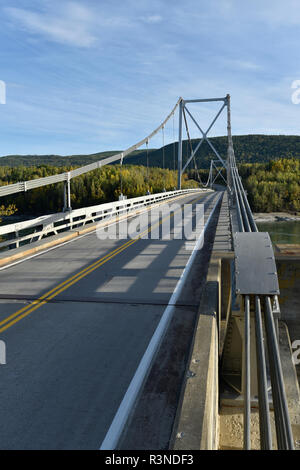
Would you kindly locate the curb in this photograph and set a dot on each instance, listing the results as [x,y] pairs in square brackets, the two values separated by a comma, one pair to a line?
[196,425]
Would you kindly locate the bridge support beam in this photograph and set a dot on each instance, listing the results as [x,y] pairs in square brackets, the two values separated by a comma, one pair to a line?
[179,166]
[67,194]
[230,146]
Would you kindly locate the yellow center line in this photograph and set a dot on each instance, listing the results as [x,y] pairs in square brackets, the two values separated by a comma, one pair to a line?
[63,283]
[39,300]
[108,255]
[23,312]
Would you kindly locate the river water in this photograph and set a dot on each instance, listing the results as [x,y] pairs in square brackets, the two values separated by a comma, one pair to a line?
[281,232]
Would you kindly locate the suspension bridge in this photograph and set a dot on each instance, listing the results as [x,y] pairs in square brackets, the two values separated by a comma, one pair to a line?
[116,344]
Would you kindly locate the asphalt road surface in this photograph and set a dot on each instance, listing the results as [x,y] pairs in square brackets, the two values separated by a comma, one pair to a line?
[76,321]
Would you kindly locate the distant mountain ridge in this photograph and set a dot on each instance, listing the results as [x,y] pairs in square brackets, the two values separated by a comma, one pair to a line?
[253,148]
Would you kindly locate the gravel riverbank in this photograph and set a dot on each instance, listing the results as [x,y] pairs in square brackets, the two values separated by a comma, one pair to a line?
[276,217]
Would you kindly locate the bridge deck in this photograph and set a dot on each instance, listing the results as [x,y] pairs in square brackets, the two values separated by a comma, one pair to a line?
[70,359]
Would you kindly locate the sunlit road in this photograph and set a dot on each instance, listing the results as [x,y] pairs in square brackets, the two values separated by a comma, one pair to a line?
[76,321]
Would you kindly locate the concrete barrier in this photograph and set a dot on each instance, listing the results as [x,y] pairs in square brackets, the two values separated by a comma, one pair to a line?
[196,424]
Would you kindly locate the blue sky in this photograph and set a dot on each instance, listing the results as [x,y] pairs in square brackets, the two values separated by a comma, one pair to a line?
[88,76]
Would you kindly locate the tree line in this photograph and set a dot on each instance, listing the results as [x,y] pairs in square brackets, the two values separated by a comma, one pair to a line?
[271,186]
[99,186]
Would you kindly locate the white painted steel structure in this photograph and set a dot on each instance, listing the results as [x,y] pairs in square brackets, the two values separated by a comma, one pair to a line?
[52,224]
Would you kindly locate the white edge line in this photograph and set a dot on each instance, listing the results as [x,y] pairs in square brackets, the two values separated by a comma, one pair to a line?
[115,430]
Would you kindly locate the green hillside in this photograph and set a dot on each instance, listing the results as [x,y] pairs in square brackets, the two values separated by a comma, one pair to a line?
[248,149]
[56,160]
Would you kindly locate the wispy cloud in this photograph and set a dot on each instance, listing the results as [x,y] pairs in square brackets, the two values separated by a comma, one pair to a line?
[127,63]
[245,65]
[70,25]
[152,19]
[278,13]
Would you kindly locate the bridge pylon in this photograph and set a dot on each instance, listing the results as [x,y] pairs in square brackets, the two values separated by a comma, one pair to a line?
[183,110]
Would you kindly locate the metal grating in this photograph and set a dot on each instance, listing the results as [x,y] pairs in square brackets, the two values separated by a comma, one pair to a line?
[255,267]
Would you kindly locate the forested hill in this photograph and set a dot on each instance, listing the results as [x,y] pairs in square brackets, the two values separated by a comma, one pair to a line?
[57,160]
[248,149]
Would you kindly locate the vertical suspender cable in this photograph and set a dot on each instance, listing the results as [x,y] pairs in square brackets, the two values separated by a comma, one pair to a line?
[163,152]
[147,170]
[121,180]
[191,147]
[174,149]
[121,176]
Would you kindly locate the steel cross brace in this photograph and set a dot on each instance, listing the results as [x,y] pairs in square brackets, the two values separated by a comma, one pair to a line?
[204,134]
[218,172]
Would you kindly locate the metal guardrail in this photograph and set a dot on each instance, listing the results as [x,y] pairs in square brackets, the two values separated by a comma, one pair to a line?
[265,327]
[33,230]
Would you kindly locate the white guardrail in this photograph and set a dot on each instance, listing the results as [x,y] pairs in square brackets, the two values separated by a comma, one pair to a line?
[22,233]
